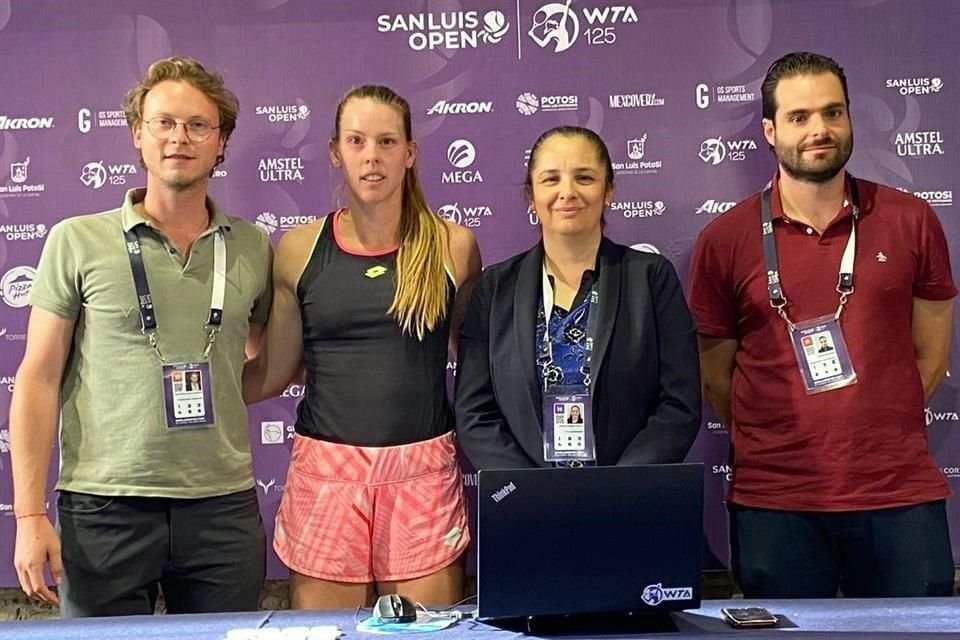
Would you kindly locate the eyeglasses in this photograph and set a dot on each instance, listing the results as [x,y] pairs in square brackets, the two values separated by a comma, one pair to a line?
[162,128]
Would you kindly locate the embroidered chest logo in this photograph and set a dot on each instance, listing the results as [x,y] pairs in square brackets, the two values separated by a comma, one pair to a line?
[881,257]
[375,272]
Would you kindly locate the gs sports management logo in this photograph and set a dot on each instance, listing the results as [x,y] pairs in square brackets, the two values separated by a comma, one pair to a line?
[655,594]
[447,29]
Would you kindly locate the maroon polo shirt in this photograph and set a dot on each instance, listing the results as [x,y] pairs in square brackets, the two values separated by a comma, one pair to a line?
[859,447]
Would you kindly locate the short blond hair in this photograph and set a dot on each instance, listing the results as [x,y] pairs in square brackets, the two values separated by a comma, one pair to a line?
[183,69]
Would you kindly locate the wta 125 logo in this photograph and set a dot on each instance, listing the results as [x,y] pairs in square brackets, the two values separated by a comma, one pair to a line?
[557,26]
[471,216]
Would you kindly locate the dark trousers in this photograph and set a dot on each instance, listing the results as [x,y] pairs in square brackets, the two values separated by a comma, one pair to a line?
[207,555]
[899,552]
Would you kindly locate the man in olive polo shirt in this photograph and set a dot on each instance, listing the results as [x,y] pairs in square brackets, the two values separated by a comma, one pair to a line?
[156,484]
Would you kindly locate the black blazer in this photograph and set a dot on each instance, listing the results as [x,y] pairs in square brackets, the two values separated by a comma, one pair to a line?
[646,394]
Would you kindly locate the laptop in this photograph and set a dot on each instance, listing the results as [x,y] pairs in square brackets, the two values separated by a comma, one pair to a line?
[590,540]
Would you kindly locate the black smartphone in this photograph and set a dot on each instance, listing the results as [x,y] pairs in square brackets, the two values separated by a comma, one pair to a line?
[748,617]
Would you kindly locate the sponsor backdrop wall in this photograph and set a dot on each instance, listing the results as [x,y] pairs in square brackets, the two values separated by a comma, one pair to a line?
[671,85]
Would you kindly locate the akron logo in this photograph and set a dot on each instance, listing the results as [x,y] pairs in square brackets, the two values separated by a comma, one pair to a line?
[461,154]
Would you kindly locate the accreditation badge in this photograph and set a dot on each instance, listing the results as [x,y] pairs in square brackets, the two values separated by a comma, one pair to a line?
[568,425]
[188,395]
[822,355]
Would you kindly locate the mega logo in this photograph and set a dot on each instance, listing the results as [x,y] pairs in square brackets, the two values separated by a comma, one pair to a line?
[461,154]
[919,143]
[447,29]
[9,382]
[557,26]
[713,151]
[8,123]
[95,174]
[4,441]
[915,86]
[713,207]
[445,108]
[472,216]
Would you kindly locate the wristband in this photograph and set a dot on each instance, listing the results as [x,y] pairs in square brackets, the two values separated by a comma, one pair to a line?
[30,515]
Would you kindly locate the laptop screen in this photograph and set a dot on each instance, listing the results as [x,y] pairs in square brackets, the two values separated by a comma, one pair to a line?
[589,540]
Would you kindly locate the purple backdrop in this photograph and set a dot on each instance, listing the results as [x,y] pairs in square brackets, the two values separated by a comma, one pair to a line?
[671,85]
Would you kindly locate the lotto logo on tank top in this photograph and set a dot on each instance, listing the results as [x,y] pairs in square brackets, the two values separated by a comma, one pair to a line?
[375,272]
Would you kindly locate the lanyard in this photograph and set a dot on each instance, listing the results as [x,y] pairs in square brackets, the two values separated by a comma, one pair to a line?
[546,348]
[148,320]
[845,280]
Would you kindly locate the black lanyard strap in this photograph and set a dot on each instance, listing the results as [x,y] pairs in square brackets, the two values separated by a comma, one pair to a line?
[778,299]
[148,319]
[546,348]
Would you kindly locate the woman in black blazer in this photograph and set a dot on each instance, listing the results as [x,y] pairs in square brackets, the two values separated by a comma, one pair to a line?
[643,370]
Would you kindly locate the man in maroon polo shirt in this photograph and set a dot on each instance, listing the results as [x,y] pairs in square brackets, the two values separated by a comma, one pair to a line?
[833,485]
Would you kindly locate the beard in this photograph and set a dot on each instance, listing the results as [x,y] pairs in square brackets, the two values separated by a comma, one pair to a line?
[181,184]
[816,171]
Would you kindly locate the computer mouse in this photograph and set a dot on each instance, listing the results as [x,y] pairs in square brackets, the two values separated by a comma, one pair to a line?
[395,608]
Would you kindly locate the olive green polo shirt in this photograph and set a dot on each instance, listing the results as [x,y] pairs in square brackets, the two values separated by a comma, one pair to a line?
[113,434]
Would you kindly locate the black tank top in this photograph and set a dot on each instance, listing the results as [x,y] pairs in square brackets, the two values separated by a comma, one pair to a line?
[367,383]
